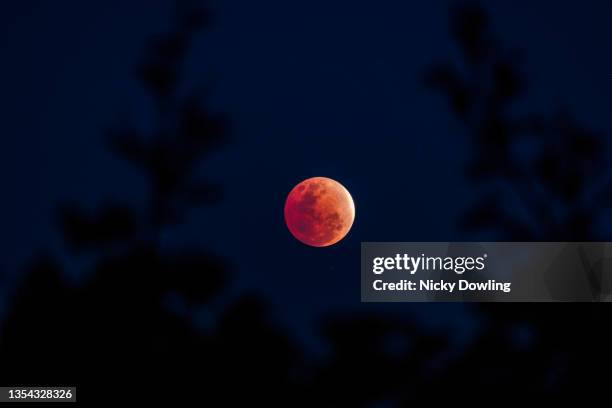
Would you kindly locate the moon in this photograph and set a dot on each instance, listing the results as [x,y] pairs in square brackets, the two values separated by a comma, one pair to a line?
[319,211]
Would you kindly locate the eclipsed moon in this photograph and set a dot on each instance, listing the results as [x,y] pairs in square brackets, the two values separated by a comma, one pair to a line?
[319,211]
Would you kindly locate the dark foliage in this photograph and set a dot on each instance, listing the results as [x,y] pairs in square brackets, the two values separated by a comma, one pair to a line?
[115,337]
[120,334]
[540,178]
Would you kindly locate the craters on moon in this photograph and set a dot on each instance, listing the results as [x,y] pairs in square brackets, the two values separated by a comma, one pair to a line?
[319,211]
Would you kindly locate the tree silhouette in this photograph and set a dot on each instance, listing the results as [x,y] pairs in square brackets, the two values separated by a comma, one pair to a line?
[115,336]
[128,332]
[538,178]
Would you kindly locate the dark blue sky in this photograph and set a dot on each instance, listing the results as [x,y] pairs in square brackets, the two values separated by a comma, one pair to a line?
[312,88]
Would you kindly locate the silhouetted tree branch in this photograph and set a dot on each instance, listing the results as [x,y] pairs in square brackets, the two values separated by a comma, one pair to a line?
[552,167]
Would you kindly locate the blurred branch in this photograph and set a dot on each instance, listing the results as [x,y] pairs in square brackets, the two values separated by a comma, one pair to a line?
[550,164]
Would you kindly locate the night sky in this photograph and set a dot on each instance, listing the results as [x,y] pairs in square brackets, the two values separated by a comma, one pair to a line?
[312,88]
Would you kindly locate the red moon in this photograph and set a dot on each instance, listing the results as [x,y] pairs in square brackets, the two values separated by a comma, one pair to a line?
[319,211]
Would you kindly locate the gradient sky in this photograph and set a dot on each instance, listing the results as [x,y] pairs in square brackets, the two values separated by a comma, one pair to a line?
[317,87]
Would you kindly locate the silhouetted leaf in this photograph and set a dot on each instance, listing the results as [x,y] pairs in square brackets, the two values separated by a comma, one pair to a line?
[443,78]
[469,25]
[128,144]
[202,129]
[507,84]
